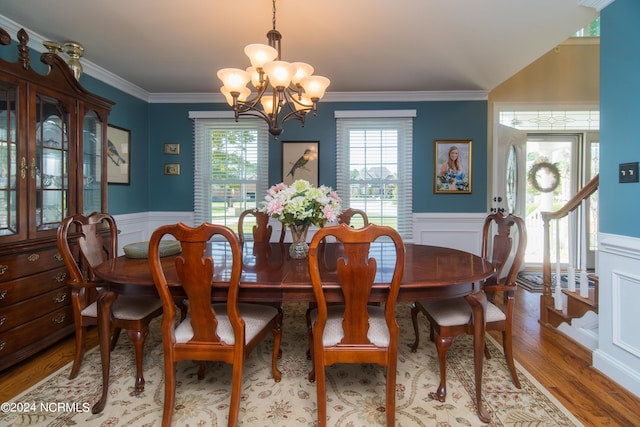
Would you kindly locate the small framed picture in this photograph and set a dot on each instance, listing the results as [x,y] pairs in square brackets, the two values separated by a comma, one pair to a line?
[452,168]
[172,168]
[171,148]
[118,155]
[300,161]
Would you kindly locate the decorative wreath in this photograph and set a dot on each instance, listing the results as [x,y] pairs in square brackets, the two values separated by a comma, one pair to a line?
[552,169]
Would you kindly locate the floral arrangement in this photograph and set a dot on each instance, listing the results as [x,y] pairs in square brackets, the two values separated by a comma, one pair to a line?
[302,204]
[453,181]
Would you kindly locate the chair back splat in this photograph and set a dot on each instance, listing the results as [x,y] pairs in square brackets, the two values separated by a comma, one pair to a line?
[226,331]
[261,230]
[354,331]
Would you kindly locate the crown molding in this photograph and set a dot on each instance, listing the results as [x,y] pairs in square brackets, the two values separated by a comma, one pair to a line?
[596,4]
[462,95]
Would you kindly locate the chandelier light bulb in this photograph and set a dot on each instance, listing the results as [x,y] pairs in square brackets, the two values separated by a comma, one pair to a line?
[302,70]
[315,86]
[279,73]
[234,79]
[260,54]
[244,94]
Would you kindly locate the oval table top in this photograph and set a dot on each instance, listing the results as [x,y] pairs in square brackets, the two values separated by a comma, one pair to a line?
[269,273]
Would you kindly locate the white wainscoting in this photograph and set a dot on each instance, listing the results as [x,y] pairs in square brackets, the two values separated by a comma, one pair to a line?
[138,227]
[618,352]
[455,230]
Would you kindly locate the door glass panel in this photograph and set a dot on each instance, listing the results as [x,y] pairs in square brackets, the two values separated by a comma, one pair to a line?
[51,164]
[8,155]
[92,163]
[550,184]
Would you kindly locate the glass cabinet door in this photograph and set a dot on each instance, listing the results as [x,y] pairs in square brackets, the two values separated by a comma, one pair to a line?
[92,131]
[10,170]
[50,165]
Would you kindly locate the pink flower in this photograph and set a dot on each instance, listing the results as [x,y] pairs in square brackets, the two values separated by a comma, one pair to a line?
[274,206]
[329,213]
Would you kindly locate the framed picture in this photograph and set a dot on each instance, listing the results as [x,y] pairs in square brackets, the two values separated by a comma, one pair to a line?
[172,168]
[171,148]
[118,155]
[452,168]
[300,161]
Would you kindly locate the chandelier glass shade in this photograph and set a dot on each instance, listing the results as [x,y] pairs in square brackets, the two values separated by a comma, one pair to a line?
[283,90]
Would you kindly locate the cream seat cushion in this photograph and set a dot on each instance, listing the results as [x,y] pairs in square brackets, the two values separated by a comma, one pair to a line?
[378,332]
[127,308]
[255,317]
[457,311]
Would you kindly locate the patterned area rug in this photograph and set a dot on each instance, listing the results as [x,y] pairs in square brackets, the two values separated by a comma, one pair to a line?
[532,281]
[355,392]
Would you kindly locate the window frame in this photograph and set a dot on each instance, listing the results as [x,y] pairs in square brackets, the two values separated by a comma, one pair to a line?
[402,122]
[204,123]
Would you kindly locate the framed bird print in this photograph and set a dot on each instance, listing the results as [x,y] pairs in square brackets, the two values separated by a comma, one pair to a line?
[300,161]
[118,150]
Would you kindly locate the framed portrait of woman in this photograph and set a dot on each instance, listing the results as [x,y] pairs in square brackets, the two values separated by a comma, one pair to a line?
[452,168]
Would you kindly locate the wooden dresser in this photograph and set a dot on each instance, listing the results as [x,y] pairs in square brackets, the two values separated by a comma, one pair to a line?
[52,142]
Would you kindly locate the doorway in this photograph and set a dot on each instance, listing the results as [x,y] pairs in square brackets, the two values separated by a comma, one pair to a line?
[542,158]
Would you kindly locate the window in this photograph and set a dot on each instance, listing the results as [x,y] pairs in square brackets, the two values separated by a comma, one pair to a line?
[374,150]
[231,166]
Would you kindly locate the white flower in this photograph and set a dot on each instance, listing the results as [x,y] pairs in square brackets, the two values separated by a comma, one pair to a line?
[302,204]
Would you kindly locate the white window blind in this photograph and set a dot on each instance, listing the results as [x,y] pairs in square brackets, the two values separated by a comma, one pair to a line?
[231,167]
[374,167]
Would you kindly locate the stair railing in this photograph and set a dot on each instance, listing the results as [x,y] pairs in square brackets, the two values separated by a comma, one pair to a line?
[547,300]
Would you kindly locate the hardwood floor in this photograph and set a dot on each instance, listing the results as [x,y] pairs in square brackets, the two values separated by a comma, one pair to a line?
[558,363]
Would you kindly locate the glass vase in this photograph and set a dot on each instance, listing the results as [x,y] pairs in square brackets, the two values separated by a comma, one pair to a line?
[299,248]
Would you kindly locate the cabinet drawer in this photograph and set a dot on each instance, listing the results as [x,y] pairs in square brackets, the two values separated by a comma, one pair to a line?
[27,310]
[15,266]
[27,287]
[15,339]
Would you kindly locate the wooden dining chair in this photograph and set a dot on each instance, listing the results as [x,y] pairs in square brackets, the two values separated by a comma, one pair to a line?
[453,317]
[96,241]
[347,215]
[227,331]
[355,331]
[261,231]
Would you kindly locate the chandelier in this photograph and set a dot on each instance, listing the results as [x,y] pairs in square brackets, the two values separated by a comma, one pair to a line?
[284,90]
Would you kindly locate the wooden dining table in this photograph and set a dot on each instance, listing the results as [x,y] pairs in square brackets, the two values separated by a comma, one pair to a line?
[269,274]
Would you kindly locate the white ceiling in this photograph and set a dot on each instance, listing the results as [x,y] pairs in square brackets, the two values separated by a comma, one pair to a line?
[168,46]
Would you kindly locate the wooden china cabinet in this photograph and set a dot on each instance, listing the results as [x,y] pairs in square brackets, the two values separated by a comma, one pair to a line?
[52,164]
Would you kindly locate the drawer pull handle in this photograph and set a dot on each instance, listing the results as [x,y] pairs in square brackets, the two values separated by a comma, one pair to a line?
[33,257]
[60,277]
[60,297]
[3,268]
[58,257]
[2,320]
[2,344]
[3,293]
[59,318]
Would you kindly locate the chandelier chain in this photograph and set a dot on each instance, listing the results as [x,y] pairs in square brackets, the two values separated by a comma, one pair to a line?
[273,11]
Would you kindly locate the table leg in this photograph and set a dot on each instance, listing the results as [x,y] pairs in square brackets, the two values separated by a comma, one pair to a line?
[478,303]
[105,302]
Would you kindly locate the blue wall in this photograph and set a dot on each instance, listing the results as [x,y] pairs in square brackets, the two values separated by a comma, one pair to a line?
[619,116]
[434,120]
